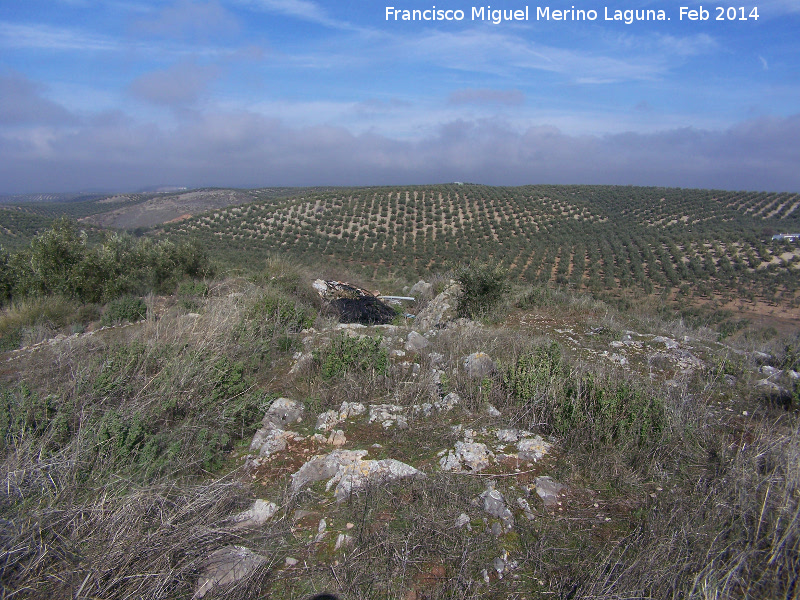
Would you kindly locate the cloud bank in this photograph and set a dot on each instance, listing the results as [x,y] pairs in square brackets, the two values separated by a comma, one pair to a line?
[62,151]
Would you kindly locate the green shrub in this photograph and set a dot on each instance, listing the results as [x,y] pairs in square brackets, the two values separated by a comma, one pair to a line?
[482,288]
[582,405]
[190,289]
[347,353]
[276,313]
[127,308]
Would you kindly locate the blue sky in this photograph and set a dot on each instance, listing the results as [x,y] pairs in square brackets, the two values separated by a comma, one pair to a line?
[128,94]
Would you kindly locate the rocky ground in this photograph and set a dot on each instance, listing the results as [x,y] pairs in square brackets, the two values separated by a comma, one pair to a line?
[422,477]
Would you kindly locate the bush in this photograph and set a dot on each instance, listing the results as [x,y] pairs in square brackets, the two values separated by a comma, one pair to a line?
[582,405]
[482,288]
[347,353]
[127,308]
[60,262]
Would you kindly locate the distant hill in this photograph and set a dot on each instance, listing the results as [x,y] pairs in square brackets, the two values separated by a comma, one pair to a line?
[22,216]
[708,243]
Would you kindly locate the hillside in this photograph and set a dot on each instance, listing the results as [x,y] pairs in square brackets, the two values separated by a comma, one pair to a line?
[21,217]
[710,245]
[238,442]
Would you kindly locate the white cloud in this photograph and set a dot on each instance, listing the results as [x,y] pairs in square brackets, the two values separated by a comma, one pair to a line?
[45,37]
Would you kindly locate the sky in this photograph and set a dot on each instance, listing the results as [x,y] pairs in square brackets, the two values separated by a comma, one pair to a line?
[124,95]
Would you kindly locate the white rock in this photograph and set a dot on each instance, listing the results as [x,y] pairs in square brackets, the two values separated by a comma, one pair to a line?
[267,441]
[526,509]
[259,513]
[548,490]
[337,438]
[532,448]
[507,435]
[473,456]
[492,411]
[347,470]
[416,342]
[351,409]
[462,521]
[495,505]
[282,413]
[327,420]
[668,342]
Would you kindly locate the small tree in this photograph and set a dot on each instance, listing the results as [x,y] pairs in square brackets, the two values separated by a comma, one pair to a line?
[482,287]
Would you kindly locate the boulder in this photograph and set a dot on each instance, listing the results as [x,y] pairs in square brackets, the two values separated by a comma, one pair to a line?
[449,402]
[355,476]
[282,413]
[440,311]
[532,449]
[479,364]
[348,472]
[416,342]
[472,456]
[226,566]
[324,467]
[269,440]
[327,420]
[495,505]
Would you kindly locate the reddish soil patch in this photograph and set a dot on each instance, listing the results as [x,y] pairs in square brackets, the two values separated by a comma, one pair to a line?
[183,217]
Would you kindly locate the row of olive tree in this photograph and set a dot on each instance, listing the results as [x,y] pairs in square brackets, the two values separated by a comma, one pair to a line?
[59,261]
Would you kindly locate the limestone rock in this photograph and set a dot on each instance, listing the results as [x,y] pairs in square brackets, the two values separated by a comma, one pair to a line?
[282,413]
[440,311]
[324,467]
[472,456]
[337,438]
[302,362]
[227,566]
[507,435]
[351,409]
[259,513]
[343,540]
[532,448]
[668,342]
[526,509]
[327,420]
[495,505]
[548,490]
[348,472]
[269,440]
[416,342]
[463,521]
[479,364]
[447,403]
[354,476]
[388,415]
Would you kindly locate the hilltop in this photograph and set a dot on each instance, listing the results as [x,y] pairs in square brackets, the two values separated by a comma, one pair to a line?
[235,439]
